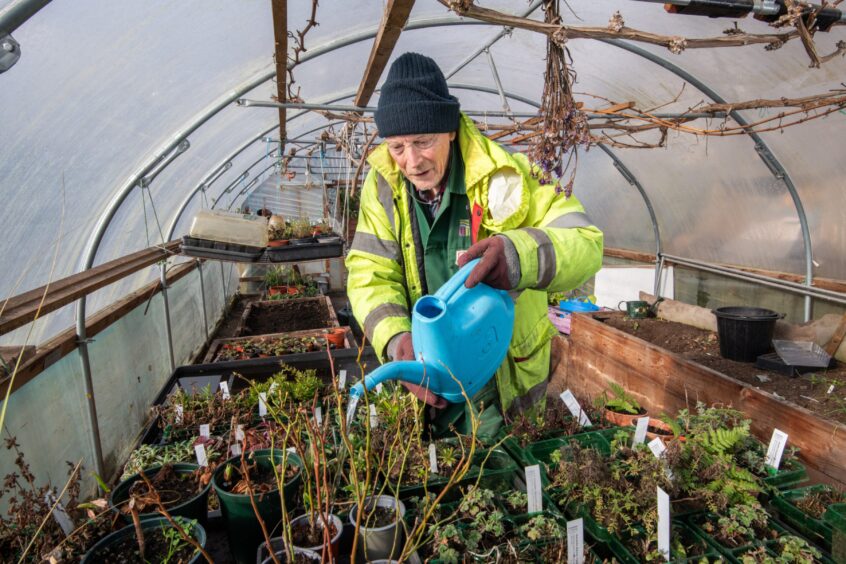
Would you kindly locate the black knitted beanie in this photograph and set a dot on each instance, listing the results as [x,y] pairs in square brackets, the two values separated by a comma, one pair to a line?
[415,99]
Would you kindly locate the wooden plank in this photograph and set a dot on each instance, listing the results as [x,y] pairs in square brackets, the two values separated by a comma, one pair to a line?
[834,344]
[279,9]
[22,309]
[65,342]
[629,255]
[393,20]
[664,381]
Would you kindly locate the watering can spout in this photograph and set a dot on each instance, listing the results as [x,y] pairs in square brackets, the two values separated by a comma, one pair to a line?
[460,337]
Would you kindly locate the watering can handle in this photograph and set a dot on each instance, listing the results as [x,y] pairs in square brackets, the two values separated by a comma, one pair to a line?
[456,282]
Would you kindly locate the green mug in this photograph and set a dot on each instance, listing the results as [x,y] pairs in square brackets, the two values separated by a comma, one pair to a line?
[637,309]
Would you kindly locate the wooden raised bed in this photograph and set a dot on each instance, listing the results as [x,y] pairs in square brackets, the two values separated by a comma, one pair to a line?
[284,316]
[662,381]
[217,344]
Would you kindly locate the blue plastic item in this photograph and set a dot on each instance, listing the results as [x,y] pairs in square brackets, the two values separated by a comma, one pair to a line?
[458,334]
[576,306]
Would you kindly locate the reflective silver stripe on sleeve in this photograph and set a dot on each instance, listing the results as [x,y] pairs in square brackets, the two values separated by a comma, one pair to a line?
[572,219]
[386,198]
[380,313]
[546,257]
[369,243]
[525,402]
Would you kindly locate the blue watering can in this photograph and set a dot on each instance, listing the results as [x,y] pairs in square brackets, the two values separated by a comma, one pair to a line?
[460,337]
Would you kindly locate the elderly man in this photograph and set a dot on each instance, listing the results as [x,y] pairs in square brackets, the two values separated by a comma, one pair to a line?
[439,194]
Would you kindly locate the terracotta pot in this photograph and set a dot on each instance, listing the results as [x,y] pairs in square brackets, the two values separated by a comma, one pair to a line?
[277,290]
[658,428]
[293,290]
[278,243]
[623,419]
[336,337]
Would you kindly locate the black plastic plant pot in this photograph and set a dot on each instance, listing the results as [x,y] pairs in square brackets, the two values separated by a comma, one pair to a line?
[380,543]
[745,332]
[194,508]
[99,552]
[242,524]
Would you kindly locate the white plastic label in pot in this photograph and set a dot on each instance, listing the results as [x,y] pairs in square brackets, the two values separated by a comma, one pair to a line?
[776,449]
[433,458]
[318,416]
[533,488]
[575,408]
[640,431]
[262,404]
[576,541]
[664,524]
[205,430]
[224,390]
[179,410]
[342,379]
[374,418]
[200,451]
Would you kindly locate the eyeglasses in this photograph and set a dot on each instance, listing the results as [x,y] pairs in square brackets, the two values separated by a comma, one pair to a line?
[420,144]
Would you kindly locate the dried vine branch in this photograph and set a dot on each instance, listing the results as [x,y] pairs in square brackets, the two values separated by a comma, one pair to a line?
[299,47]
[617,30]
[564,124]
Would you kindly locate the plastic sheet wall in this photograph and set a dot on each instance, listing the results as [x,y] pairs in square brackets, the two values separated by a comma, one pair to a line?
[129,365]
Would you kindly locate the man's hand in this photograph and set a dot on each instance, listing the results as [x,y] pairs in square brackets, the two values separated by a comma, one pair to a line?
[494,268]
[400,348]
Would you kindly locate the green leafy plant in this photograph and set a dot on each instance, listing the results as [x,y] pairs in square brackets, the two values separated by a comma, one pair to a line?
[541,527]
[174,543]
[301,228]
[622,401]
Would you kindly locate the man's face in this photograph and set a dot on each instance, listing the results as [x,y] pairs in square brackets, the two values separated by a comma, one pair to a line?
[423,158]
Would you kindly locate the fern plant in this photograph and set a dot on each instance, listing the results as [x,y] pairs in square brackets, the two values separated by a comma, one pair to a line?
[622,402]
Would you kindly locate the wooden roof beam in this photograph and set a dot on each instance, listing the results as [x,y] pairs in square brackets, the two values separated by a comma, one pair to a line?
[280,31]
[393,20]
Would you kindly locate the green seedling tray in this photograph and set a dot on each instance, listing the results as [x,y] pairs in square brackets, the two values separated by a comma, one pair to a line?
[541,452]
[835,516]
[791,474]
[619,547]
[497,473]
[813,529]
[735,554]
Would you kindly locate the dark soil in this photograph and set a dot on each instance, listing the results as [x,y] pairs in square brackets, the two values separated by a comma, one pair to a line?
[155,548]
[305,536]
[556,422]
[375,518]
[815,503]
[286,316]
[232,321]
[173,489]
[810,391]
[261,480]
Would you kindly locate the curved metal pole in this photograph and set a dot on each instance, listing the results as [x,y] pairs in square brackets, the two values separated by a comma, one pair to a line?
[763,150]
[15,13]
[247,187]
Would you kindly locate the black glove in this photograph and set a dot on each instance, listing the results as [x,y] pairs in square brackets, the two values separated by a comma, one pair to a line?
[495,269]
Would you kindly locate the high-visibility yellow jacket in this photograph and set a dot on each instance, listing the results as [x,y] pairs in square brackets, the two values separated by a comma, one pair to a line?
[558,247]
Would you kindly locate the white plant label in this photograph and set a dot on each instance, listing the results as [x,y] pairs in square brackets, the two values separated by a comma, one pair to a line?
[379,388]
[262,404]
[830,389]
[202,458]
[433,459]
[239,433]
[342,379]
[235,449]
[657,447]
[318,416]
[640,431]
[534,489]
[664,524]
[777,444]
[374,419]
[179,410]
[576,541]
[575,409]
[205,431]
[59,514]
[224,390]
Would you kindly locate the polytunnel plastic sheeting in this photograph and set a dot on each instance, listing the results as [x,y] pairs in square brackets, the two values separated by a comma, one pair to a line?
[626,222]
